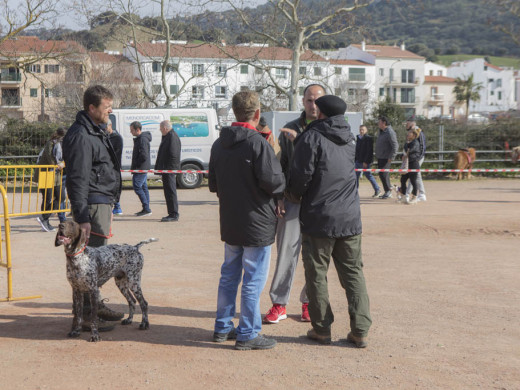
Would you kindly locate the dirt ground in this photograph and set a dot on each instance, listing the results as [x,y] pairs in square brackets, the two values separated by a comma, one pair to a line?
[443,279]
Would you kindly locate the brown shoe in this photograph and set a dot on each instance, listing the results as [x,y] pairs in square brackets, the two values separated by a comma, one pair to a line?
[322,339]
[359,342]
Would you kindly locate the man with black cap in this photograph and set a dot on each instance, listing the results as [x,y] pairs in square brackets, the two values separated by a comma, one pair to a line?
[322,177]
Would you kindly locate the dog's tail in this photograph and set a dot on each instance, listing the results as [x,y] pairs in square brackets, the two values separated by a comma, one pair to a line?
[146,242]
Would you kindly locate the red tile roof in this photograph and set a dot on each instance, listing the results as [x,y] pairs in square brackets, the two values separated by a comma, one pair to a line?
[349,62]
[102,57]
[438,79]
[492,66]
[23,45]
[388,51]
[206,50]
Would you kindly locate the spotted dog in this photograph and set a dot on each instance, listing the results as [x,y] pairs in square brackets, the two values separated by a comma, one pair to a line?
[90,268]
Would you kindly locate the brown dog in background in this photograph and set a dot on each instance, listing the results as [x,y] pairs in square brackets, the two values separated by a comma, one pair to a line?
[464,159]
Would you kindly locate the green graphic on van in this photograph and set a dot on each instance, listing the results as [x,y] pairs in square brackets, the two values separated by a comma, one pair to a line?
[190,126]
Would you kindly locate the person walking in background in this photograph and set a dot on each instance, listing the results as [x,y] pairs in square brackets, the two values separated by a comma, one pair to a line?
[412,156]
[141,162]
[322,175]
[169,158]
[288,236]
[364,158]
[53,198]
[117,143]
[421,193]
[386,149]
[246,176]
[93,178]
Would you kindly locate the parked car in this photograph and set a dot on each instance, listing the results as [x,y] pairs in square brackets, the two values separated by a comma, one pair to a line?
[477,117]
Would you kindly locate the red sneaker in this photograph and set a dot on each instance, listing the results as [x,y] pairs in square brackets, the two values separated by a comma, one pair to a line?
[305,313]
[275,314]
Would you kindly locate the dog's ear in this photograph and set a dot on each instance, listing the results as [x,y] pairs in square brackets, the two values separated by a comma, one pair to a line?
[79,236]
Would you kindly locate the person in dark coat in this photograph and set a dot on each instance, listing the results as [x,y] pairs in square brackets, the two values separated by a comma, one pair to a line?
[322,177]
[141,162]
[117,143]
[247,177]
[364,158]
[169,158]
[93,178]
[412,154]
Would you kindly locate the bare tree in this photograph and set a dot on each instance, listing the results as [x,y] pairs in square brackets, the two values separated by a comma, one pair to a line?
[292,24]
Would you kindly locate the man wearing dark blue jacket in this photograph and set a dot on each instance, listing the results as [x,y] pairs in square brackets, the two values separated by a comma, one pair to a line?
[247,177]
[322,176]
[141,162]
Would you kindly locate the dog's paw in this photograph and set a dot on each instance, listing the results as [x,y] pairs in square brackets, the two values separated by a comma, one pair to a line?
[144,325]
[126,321]
[94,337]
[74,333]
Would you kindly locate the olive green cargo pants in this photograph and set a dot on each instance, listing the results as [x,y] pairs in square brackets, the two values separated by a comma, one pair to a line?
[346,253]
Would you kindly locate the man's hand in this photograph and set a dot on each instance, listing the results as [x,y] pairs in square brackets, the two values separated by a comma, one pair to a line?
[280,209]
[86,228]
[365,165]
[290,134]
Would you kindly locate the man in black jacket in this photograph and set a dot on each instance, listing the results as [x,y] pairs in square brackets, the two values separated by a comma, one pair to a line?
[322,175]
[93,174]
[245,174]
[364,158]
[141,162]
[169,158]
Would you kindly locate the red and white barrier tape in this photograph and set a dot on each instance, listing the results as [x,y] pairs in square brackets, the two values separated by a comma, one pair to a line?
[492,170]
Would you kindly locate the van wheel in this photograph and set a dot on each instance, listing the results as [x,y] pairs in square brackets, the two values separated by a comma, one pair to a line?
[190,180]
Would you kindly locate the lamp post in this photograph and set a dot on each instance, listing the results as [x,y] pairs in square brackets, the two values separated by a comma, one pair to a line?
[390,79]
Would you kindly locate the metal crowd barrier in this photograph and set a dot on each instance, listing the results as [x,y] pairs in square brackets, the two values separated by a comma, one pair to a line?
[23,189]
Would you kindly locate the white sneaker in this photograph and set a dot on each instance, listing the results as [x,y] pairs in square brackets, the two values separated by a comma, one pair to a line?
[411,200]
[421,198]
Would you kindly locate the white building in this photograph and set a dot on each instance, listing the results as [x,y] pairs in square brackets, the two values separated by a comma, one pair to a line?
[206,75]
[498,84]
[399,73]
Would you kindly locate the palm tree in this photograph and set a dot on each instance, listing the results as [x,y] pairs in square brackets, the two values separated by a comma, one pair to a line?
[466,90]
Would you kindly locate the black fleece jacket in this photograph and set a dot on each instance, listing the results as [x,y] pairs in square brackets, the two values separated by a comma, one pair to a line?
[245,174]
[322,175]
[93,170]
[141,153]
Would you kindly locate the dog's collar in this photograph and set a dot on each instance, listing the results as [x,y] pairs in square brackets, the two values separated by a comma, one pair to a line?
[78,252]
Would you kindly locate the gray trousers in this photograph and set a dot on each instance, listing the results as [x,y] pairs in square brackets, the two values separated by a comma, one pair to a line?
[288,245]
[420,185]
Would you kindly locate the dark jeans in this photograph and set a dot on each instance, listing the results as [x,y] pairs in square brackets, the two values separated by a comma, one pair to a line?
[384,176]
[346,254]
[413,179]
[141,189]
[170,194]
[53,199]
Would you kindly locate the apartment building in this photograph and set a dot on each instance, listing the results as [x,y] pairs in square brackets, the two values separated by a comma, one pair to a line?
[439,99]
[38,78]
[207,75]
[498,91]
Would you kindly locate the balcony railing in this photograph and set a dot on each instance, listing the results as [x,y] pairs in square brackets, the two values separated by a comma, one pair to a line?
[356,77]
[10,77]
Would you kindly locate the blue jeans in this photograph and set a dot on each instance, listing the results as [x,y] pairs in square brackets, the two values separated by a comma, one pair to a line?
[368,175]
[254,261]
[141,189]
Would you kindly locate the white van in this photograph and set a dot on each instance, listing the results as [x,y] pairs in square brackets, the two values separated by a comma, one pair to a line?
[197,129]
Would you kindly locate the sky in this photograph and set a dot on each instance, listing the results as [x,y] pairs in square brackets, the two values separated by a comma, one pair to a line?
[74,20]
